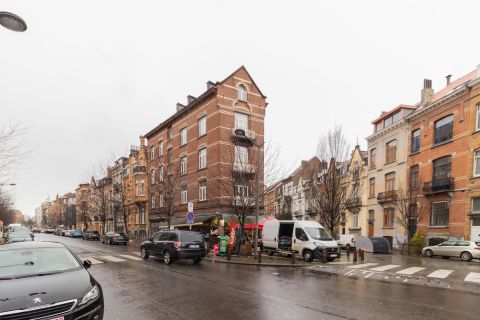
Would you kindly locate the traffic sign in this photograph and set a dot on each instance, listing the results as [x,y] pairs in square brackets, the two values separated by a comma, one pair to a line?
[190,207]
[190,217]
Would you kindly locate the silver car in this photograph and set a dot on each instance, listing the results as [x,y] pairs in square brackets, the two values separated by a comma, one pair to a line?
[465,250]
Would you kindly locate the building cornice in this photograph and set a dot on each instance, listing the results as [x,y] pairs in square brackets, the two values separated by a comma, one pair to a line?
[385,131]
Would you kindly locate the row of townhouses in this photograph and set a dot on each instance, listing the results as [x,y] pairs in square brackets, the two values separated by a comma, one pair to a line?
[431,148]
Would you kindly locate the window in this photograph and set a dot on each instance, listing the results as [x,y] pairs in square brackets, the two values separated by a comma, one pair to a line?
[391,151]
[371,215]
[202,126]
[241,121]
[300,234]
[160,200]
[183,136]
[476,205]
[476,163]
[442,168]
[169,156]
[160,148]
[478,117]
[136,187]
[415,141]
[444,129]
[355,220]
[202,190]
[379,126]
[136,215]
[183,165]
[153,200]
[414,177]
[390,182]
[241,154]
[439,214]
[356,170]
[371,188]
[242,93]
[160,173]
[388,217]
[152,177]
[373,158]
[241,191]
[142,187]
[169,133]
[142,215]
[202,158]
[152,153]
[183,194]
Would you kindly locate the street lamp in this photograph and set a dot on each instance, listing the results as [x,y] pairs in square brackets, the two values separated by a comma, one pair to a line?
[12,22]
[241,133]
[8,184]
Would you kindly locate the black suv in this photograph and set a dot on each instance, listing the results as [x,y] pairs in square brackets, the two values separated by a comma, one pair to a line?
[91,235]
[174,245]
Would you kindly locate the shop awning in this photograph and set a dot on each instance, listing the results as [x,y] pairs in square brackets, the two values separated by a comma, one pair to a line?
[182,221]
[250,221]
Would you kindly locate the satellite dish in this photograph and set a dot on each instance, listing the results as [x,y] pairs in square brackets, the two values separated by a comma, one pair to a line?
[12,22]
[240,132]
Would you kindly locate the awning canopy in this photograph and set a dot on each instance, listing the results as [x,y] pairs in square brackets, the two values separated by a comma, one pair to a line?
[182,221]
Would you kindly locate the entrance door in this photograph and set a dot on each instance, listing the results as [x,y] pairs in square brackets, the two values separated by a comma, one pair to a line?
[299,240]
[370,229]
[475,232]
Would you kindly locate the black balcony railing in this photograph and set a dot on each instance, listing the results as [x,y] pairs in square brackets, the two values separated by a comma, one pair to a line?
[355,203]
[387,196]
[438,186]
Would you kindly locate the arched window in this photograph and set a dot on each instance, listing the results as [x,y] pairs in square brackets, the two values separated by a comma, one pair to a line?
[241,92]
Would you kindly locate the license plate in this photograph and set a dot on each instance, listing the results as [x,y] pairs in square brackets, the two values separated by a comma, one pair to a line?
[194,246]
[59,318]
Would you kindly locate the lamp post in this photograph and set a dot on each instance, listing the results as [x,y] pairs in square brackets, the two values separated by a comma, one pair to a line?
[8,184]
[241,132]
[12,22]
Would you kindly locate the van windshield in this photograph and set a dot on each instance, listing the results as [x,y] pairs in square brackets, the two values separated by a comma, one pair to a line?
[319,234]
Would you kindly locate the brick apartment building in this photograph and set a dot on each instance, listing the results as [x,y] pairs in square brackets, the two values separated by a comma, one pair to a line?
[197,147]
[444,158]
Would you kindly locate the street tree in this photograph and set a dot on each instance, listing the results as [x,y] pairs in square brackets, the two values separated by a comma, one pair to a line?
[120,202]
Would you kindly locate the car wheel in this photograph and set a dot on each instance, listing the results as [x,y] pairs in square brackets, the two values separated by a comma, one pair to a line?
[429,253]
[307,255]
[144,253]
[197,260]
[270,253]
[466,256]
[167,257]
[110,242]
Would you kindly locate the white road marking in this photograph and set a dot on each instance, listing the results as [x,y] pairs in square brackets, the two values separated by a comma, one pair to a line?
[440,274]
[473,277]
[363,265]
[410,270]
[113,259]
[130,257]
[92,260]
[385,268]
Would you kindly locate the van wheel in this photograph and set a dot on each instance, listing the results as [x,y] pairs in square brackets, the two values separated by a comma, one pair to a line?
[466,256]
[144,253]
[167,257]
[307,255]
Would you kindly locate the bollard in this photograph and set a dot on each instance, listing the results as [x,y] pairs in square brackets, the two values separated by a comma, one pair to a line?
[324,256]
[259,256]
[348,253]
[355,255]
[362,255]
[293,257]
[229,253]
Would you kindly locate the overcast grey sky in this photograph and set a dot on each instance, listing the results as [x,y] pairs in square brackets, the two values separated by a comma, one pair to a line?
[88,77]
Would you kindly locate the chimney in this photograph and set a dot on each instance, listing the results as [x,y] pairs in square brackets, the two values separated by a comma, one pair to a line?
[210,84]
[427,91]
[448,79]
[180,106]
[190,99]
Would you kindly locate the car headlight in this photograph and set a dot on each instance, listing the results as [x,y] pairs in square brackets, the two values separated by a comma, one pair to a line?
[91,295]
[318,244]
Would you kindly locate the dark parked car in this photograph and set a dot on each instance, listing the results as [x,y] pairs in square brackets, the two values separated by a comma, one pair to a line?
[91,235]
[115,238]
[33,278]
[18,236]
[174,245]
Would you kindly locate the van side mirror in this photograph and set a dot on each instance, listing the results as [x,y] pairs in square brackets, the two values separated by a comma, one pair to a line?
[87,264]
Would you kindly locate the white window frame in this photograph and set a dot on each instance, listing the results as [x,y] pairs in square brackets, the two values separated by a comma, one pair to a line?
[142,215]
[241,120]
[136,187]
[202,191]
[476,161]
[478,199]
[355,220]
[152,153]
[478,118]
[152,177]
[242,191]
[160,200]
[183,136]
[241,154]
[183,165]
[202,158]
[242,93]
[184,195]
[202,126]
[153,201]
[142,187]
[160,174]
[160,148]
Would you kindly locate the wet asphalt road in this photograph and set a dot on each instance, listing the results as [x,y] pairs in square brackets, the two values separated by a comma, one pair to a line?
[151,290]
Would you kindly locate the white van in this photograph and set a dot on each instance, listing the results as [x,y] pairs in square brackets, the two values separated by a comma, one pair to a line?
[307,238]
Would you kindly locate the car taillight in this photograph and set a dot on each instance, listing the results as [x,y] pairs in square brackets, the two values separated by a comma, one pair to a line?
[477,248]
[177,245]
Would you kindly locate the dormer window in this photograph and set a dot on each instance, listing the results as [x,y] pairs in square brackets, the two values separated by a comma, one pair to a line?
[242,92]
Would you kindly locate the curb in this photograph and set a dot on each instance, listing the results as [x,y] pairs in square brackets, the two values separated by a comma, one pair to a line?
[257,264]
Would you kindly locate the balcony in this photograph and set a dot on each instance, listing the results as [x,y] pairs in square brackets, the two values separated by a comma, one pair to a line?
[241,167]
[139,169]
[438,186]
[239,201]
[249,135]
[387,196]
[354,203]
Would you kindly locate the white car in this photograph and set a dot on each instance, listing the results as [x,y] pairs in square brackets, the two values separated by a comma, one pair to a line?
[465,250]
[346,241]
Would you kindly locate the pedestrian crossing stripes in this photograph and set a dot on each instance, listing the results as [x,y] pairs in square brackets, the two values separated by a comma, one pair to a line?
[363,265]
[113,259]
[440,274]
[410,270]
[385,268]
[473,277]
[129,257]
